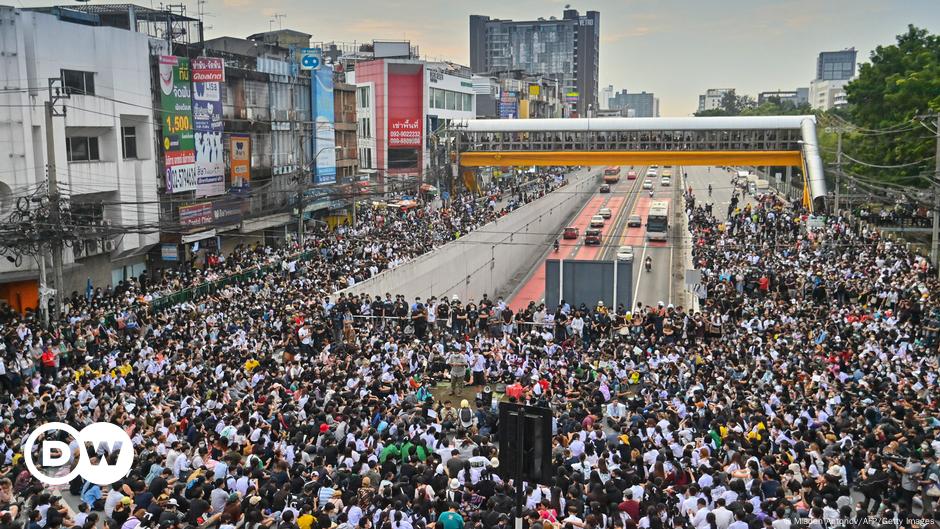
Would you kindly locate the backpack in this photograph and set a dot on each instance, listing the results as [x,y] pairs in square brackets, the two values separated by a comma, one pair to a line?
[466,416]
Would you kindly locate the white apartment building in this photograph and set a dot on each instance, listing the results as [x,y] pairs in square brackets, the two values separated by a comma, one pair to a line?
[104,145]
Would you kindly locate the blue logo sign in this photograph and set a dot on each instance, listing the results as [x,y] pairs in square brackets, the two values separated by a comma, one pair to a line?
[310,58]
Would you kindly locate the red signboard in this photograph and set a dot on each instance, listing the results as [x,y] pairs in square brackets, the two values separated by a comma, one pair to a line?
[405,105]
[196,214]
[208,70]
[404,132]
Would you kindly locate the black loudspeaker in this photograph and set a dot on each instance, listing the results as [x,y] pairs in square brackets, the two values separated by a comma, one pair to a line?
[525,443]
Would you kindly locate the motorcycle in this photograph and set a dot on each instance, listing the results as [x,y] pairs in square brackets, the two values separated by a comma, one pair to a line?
[556,246]
[649,264]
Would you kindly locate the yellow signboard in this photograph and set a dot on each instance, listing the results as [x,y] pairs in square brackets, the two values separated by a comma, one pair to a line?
[535,90]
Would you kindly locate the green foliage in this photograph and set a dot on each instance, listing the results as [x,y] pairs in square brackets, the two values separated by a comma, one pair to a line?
[901,81]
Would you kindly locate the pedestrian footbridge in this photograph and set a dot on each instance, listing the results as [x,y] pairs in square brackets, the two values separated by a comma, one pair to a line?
[737,140]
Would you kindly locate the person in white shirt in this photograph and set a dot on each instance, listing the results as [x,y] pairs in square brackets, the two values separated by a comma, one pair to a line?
[723,516]
[700,518]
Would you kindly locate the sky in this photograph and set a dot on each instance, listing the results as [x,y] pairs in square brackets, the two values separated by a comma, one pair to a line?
[674,48]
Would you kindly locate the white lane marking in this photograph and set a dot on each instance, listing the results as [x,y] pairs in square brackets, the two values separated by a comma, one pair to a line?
[671,255]
[639,277]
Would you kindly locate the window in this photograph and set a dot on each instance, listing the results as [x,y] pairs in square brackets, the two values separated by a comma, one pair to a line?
[468,102]
[363,93]
[129,142]
[78,82]
[450,104]
[82,148]
[365,128]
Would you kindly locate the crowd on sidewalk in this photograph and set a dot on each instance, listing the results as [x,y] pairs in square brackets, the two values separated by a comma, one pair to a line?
[803,393]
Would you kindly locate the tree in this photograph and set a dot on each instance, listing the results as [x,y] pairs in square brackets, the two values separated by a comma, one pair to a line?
[901,81]
[731,105]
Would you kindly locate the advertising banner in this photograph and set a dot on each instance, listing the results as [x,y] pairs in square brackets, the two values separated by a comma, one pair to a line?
[508,105]
[207,125]
[208,70]
[227,210]
[324,131]
[240,154]
[178,142]
[196,214]
[405,108]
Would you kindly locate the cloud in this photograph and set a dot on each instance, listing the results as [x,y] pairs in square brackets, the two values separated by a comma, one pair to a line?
[634,32]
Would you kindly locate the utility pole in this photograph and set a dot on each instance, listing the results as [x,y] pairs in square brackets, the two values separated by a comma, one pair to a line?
[935,236]
[300,197]
[54,208]
[838,210]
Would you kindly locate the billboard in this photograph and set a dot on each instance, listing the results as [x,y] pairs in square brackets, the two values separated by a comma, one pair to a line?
[177,105]
[207,126]
[508,105]
[386,49]
[324,136]
[196,214]
[405,109]
[208,70]
[240,155]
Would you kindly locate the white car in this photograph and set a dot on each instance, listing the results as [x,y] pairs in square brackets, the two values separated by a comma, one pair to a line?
[625,253]
[604,212]
[665,182]
[597,221]
[648,184]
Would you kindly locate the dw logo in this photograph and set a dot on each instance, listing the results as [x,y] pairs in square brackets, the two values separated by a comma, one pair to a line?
[101,438]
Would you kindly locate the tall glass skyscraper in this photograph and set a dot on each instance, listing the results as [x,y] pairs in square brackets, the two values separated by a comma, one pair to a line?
[565,49]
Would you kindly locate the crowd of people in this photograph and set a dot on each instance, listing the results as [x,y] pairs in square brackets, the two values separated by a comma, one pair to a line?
[801,392]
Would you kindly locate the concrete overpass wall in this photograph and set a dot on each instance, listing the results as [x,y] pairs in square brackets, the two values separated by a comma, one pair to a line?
[488,260]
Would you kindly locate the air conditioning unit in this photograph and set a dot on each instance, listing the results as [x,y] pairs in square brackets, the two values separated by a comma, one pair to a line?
[78,250]
[108,245]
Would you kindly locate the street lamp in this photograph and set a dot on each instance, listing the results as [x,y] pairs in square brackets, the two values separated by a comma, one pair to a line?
[300,194]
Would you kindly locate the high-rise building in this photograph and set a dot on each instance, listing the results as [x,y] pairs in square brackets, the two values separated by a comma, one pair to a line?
[565,49]
[606,94]
[642,105]
[834,70]
[836,65]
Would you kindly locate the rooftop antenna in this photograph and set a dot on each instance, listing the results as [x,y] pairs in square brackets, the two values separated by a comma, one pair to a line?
[277,17]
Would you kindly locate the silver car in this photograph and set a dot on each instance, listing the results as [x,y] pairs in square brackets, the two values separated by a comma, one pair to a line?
[625,253]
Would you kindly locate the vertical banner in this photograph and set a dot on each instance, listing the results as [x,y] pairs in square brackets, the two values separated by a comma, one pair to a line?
[405,108]
[321,88]
[208,75]
[177,104]
[240,149]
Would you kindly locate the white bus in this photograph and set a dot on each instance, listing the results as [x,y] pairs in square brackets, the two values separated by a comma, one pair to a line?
[657,221]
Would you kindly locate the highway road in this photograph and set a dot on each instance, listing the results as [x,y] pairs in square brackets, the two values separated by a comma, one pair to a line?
[664,283]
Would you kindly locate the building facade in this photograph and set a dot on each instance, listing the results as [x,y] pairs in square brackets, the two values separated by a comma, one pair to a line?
[104,148]
[712,97]
[641,105]
[565,49]
[515,95]
[403,108]
[797,97]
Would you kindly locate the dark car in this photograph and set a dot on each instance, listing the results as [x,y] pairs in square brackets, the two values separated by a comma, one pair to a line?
[592,237]
[634,221]
[605,188]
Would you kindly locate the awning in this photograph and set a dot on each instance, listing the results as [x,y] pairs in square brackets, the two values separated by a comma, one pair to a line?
[199,236]
[263,223]
[133,252]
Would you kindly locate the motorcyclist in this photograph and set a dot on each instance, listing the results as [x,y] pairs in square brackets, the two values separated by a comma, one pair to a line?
[651,193]
[649,263]
[556,245]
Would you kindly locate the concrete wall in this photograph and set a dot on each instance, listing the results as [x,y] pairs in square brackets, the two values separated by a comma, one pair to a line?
[489,259]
